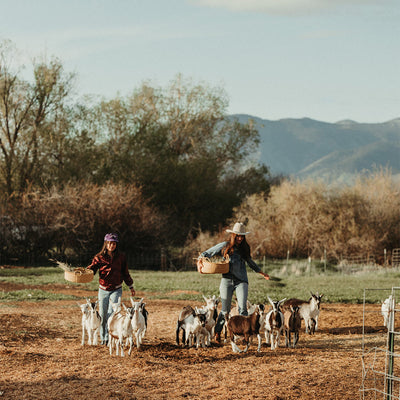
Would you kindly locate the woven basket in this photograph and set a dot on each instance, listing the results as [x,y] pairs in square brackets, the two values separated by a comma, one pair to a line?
[215,268]
[79,275]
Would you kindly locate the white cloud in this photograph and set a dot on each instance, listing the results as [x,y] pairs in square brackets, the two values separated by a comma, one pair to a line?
[283,7]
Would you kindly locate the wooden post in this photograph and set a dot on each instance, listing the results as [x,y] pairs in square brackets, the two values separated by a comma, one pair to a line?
[163,260]
[384,258]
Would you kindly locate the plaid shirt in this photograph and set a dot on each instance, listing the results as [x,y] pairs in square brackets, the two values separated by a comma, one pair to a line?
[112,272]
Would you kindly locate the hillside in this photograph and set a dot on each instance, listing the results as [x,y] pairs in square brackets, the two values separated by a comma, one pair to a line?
[333,151]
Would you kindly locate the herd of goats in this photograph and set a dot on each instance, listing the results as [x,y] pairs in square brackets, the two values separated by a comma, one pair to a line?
[127,325]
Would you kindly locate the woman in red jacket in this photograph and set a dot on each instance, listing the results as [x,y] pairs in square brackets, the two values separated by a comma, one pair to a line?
[113,271]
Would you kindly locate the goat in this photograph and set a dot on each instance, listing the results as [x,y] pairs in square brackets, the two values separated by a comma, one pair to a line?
[246,326]
[386,309]
[91,322]
[190,321]
[120,328]
[250,309]
[292,324]
[274,324]
[211,313]
[309,310]
[139,321]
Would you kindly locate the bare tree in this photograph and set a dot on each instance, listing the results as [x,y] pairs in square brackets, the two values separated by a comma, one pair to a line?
[27,113]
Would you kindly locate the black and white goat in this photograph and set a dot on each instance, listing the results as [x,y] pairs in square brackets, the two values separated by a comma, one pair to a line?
[246,327]
[120,328]
[292,324]
[191,322]
[273,323]
[91,322]
[309,310]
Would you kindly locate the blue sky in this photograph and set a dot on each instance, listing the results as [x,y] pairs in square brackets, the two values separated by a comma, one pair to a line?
[328,60]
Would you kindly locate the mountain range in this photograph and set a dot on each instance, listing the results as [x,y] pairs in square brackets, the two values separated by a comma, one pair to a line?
[335,152]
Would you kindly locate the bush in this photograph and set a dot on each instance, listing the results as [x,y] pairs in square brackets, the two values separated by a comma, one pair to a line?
[306,218]
[74,220]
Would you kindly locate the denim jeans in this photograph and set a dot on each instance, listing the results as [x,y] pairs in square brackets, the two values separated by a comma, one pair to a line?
[105,309]
[226,289]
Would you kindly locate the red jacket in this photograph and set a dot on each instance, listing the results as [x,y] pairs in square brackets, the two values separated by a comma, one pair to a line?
[112,272]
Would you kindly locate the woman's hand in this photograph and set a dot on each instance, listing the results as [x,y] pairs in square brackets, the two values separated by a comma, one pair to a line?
[200,265]
[133,292]
[266,276]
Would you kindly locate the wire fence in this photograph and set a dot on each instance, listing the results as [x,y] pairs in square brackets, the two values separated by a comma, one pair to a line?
[396,257]
[380,360]
[160,259]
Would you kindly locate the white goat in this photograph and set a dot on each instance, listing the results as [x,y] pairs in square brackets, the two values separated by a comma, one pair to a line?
[91,322]
[120,328]
[211,313]
[139,321]
[386,309]
[273,324]
[309,310]
[190,321]
[246,326]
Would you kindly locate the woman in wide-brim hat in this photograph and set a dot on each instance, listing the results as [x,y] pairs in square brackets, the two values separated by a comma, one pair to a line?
[235,280]
[113,271]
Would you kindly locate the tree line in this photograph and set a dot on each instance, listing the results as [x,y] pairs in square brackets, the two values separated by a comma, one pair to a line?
[166,168]
[165,154]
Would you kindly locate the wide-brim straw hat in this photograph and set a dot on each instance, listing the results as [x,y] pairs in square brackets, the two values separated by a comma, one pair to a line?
[238,229]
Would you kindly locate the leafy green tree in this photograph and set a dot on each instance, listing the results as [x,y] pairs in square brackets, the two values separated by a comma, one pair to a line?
[177,143]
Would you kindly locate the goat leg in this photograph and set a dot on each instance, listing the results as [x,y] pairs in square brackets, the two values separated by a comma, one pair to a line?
[259,339]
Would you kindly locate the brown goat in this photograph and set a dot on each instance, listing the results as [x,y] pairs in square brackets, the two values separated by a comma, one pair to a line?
[246,326]
[292,320]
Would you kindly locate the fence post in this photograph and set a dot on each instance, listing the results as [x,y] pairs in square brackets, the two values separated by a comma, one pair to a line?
[384,258]
[389,378]
[163,260]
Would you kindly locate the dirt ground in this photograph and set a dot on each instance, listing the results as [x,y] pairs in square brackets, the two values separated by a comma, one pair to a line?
[41,357]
